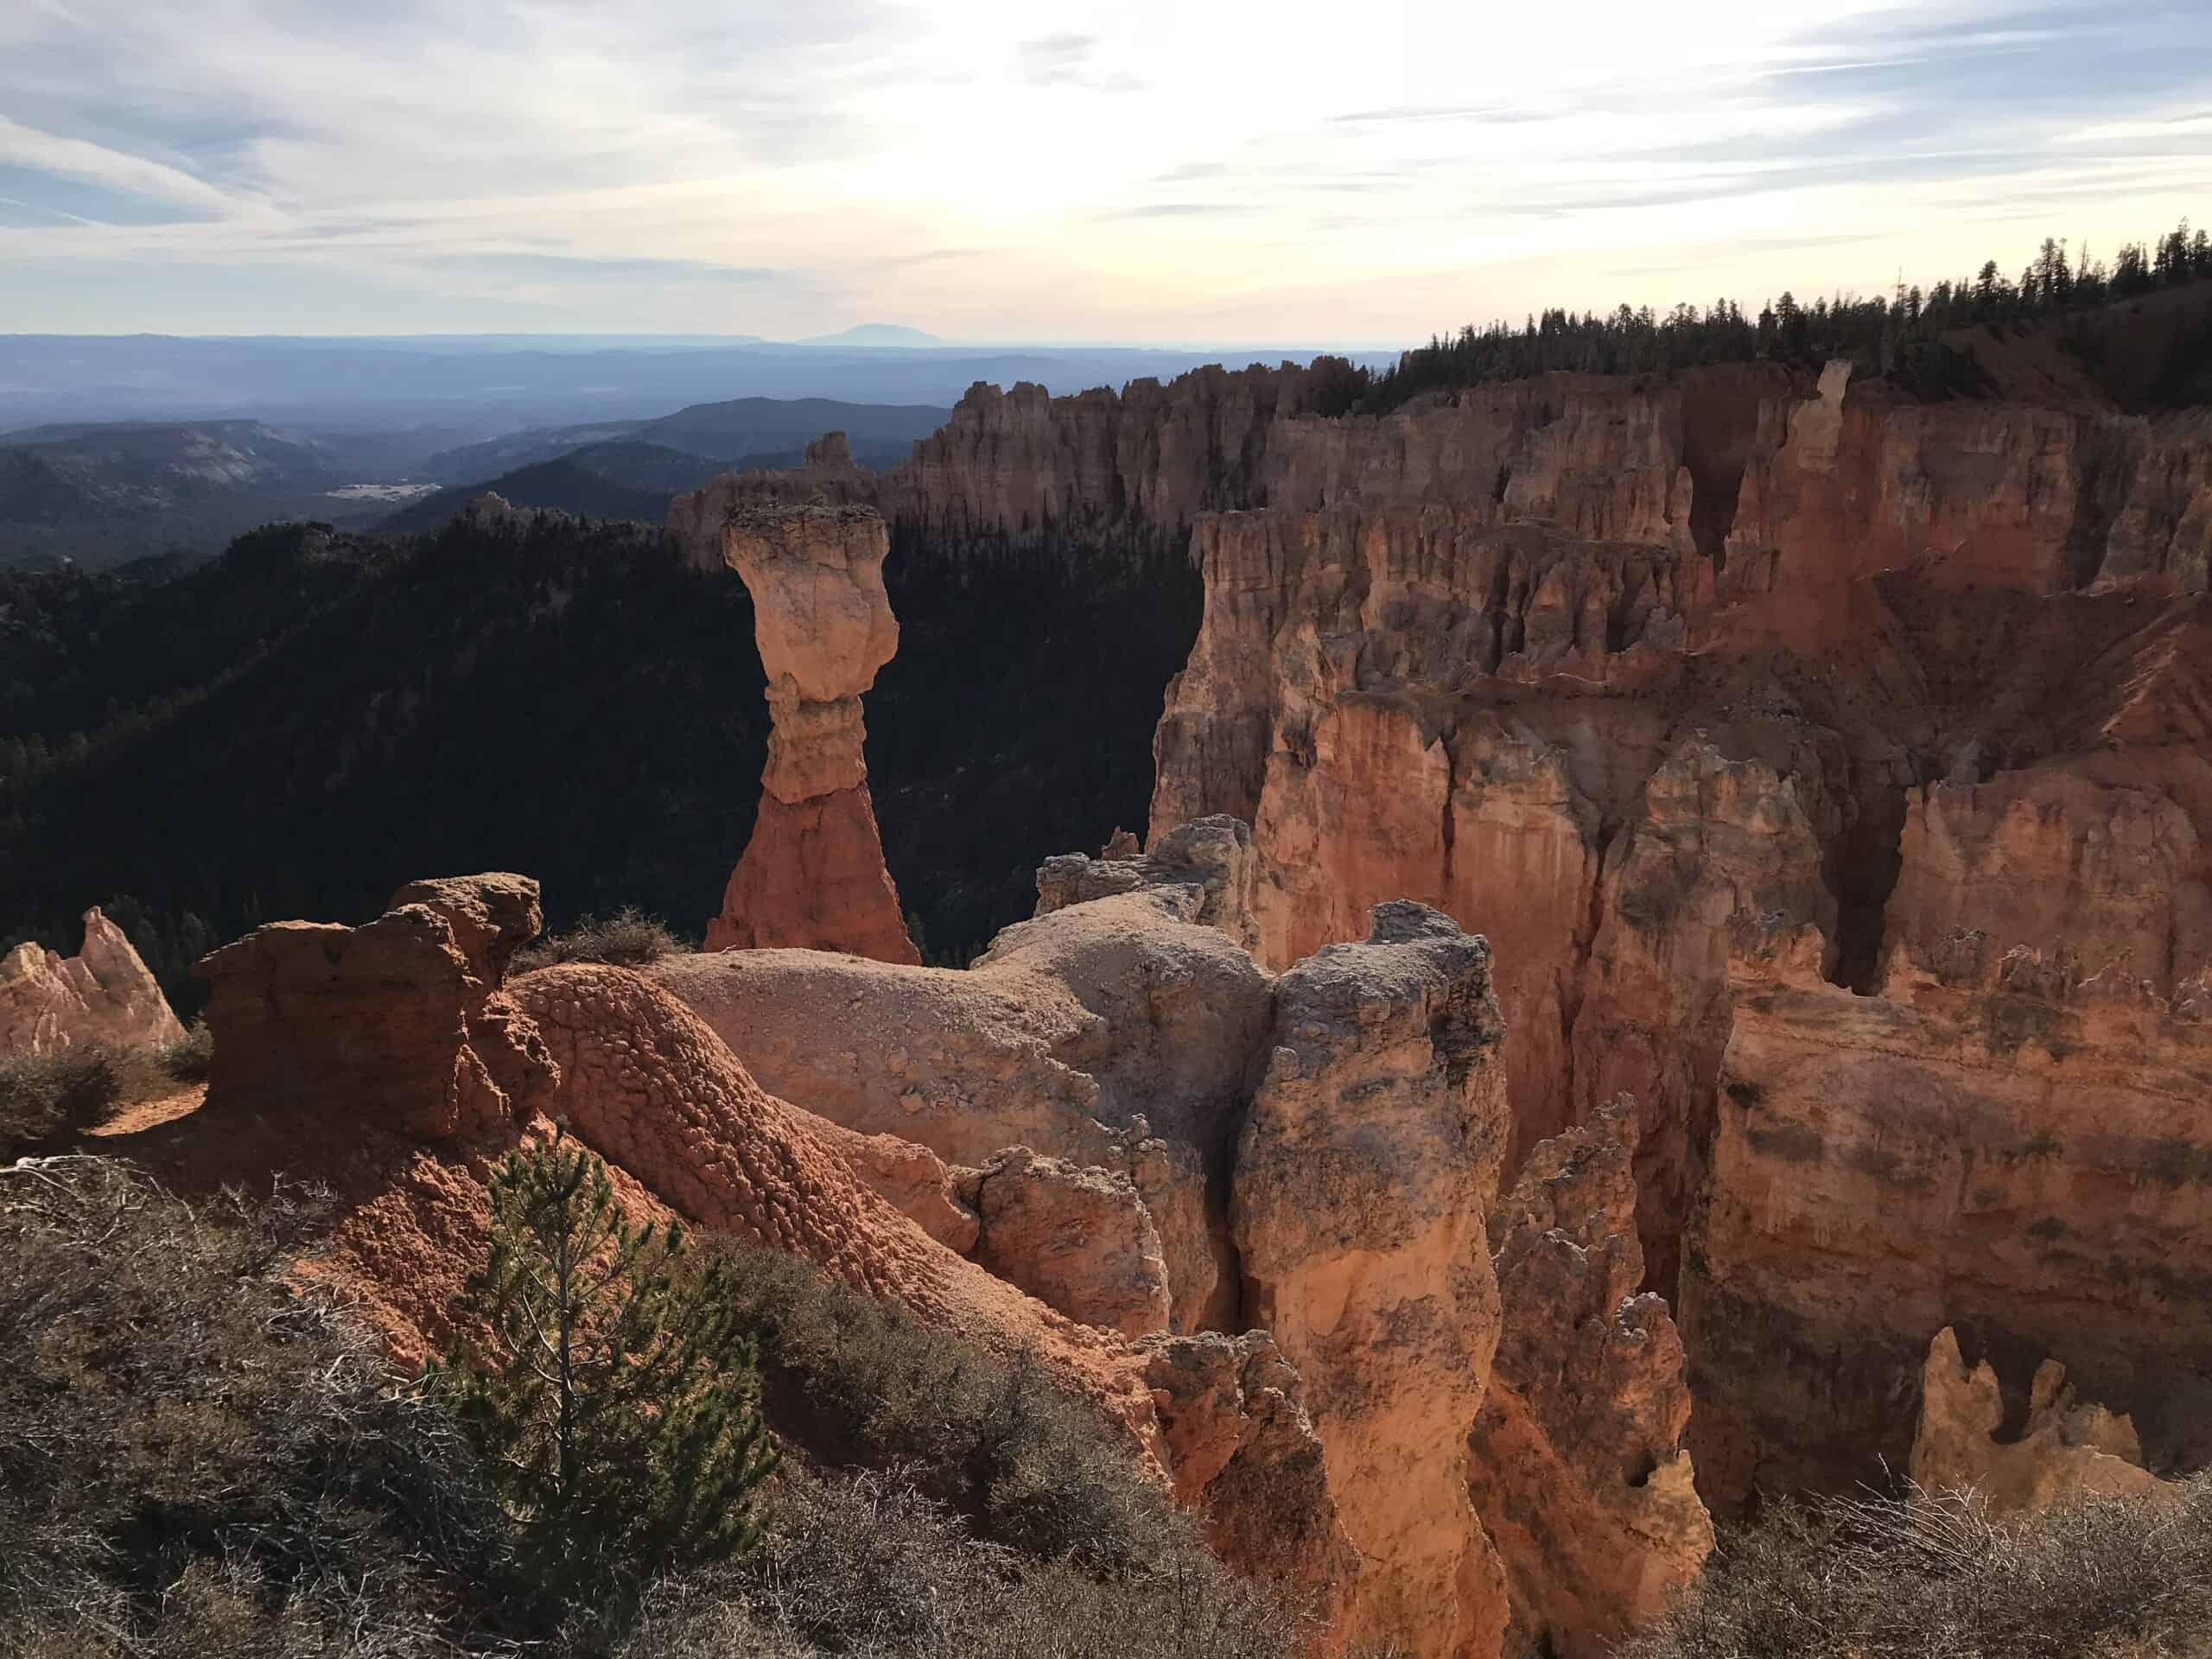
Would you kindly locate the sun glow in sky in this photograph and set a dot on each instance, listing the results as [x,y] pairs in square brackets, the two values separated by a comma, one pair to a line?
[1195,172]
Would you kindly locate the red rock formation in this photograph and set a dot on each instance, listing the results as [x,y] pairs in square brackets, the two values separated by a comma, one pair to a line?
[914,1180]
[102,995]
[1576,1461]
[400,1023]
[1123,1033]
[1114,1034]
[813,872]
[651,1087]
[1078,1239]
[1368,1157]
[410,1002]
[1246,1458]
[2012,1136]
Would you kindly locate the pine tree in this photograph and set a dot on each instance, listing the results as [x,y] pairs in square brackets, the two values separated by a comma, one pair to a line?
[615,1404]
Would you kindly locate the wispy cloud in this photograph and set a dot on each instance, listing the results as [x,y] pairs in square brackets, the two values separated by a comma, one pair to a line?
[1055,167]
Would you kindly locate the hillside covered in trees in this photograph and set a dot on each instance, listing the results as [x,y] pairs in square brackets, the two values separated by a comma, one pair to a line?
[294,729]
[1906,336]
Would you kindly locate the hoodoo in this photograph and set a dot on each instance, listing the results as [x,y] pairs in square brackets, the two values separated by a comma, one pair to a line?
[102,995]
[813,874]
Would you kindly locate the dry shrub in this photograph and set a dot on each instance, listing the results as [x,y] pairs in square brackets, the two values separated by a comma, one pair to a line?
[2116,1578]
[47,1100]
[200,1461]
[864,1566]
[628,938]
[196,1461]
[859,1383]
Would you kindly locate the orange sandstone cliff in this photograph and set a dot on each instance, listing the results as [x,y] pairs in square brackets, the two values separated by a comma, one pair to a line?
[1829,772]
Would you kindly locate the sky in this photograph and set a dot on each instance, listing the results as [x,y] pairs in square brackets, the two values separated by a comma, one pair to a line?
[1194,173]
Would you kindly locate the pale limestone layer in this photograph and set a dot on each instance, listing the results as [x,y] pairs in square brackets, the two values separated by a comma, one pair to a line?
[102,996]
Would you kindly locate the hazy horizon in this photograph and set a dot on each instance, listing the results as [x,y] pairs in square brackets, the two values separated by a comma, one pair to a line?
[1148,175]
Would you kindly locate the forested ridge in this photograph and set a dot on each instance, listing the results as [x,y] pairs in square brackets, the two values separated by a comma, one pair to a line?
[294,729]
[1899,335]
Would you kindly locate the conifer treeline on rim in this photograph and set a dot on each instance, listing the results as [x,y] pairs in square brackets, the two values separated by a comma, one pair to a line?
[1899,335]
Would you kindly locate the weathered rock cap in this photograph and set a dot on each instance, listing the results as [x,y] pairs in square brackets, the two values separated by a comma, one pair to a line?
[820,616]
[1212,856]
[394,1023]
[493,915]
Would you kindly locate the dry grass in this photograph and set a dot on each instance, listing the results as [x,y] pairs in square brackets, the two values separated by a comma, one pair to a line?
[864,1566]
[628,938]
[197,1461]
[1935,1578]
[47,1100]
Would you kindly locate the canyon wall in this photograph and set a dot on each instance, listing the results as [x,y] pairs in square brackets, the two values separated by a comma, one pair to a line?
[1826,770]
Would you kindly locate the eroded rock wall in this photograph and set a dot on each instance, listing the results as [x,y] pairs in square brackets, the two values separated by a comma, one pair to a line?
[1750,717]
[1577,1467]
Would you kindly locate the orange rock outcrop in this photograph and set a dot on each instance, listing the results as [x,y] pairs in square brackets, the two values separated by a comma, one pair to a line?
[1305,1161]
[400,1023]
[409,999]
[2067,1449]
[1112,1034]
[1365,1168]
[102,996]
[813,874]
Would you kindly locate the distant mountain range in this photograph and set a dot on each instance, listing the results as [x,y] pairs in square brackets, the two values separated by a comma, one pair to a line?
[474,388]
[629,470]
[105,494]
[876,335]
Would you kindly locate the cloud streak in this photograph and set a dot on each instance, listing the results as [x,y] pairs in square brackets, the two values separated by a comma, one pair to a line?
[1004,171]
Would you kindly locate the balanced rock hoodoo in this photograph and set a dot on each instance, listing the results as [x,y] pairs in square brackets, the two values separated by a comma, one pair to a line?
[813,874]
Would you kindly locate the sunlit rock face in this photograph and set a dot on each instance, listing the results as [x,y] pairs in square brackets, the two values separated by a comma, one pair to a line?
[102,996]
[2067,1449]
